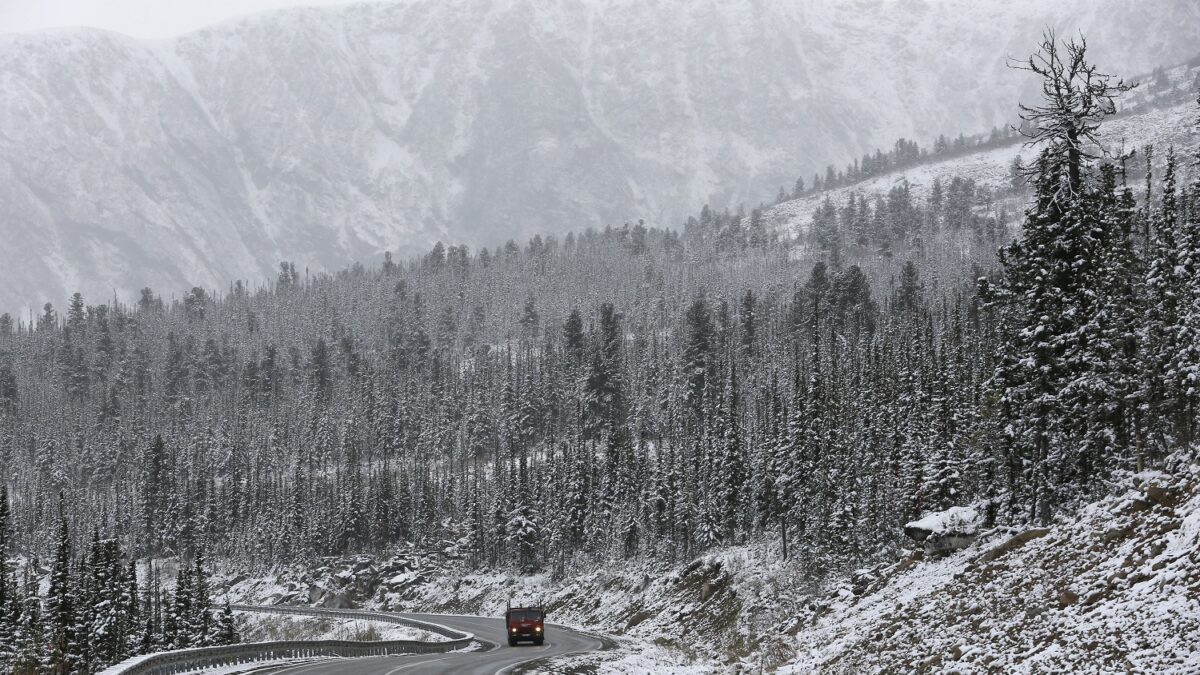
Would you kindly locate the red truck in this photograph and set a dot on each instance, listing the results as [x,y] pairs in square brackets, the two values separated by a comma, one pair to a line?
[525,623]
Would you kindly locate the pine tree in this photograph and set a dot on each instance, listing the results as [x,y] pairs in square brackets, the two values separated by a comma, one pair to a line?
[1048,376]
[153,503]
[733,461]
[697,353]
[708,527]
[908,295]
[9,614]
[604,394]
[29,644]
[177,626]
[1185,366]
[1111,401]
[1166,288]
[826,235]
[200,621]
[61,611]
[749,323]
[151,631]
[130,613]
[227,630]
[524,532]
[573,335]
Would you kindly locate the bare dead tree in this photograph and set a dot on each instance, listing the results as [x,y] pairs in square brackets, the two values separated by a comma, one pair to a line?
[1076,97]
[1197,161]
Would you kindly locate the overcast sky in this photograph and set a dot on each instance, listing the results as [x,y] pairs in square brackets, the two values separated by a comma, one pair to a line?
[140,18]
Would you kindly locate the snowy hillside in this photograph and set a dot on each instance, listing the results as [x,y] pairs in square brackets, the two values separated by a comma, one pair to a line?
[990,168]
[1115,590]
[326,136]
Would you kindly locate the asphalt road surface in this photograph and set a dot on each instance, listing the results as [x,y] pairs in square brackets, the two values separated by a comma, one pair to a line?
[495,658]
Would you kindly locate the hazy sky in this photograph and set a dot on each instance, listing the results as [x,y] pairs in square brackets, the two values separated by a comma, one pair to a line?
[140,18]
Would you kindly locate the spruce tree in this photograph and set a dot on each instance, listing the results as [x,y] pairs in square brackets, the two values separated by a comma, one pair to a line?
[573,334]
[698,364]
[227,631]
[1166,289]
[1185,366]
[130,613]
[200,623]
[30,651]
[154,475]
[61,612]
[908,295]
[733,469]
[1049,376]
[9,613]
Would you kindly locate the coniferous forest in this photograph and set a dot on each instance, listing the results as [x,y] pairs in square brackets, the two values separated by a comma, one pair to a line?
[634,393]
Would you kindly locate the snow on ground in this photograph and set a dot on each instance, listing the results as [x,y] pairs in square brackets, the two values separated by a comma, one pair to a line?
[1116,589]
[1161,127]
[258,627]
[623,658]
[708,613]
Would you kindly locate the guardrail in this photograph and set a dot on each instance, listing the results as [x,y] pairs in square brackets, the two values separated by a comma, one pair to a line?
[199,658]
[360,614]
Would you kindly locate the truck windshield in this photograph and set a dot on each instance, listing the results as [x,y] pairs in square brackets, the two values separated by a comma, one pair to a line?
[525,615]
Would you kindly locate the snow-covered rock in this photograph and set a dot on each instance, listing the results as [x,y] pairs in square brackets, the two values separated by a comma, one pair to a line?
[944,531]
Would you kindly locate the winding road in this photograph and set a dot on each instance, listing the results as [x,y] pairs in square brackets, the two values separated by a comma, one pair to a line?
[496,657]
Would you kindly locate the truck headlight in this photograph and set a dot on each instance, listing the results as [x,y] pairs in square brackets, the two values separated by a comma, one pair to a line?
[512,630]
[537,629]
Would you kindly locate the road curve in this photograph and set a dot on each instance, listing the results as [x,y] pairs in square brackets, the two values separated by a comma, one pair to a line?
[495,658]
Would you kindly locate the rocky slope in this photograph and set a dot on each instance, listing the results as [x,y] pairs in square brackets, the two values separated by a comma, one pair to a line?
[1116,589]
[329,135]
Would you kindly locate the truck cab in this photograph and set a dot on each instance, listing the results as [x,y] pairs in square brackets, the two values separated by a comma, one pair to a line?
[525,623]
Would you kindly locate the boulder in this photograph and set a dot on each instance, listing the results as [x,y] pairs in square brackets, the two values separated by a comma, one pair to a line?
[1013,544]
[945,531]
[337,601]
[1164,497]
[396,566]
[1067,597]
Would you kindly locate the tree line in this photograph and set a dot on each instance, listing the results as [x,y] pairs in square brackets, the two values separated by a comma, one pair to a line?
[1163,90]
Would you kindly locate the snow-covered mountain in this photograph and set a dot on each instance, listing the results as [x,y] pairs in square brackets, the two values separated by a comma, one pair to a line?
[325,136]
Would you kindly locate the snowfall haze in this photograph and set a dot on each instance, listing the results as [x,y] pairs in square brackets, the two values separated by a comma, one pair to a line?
[329,135]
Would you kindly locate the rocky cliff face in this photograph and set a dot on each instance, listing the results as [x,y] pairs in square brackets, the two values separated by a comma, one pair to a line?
[326,136]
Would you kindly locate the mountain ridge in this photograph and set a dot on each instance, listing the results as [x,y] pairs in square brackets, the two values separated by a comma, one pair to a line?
[329,135]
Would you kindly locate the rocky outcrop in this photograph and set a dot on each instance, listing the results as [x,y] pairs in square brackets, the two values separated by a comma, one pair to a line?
[344,582]
[944,531]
